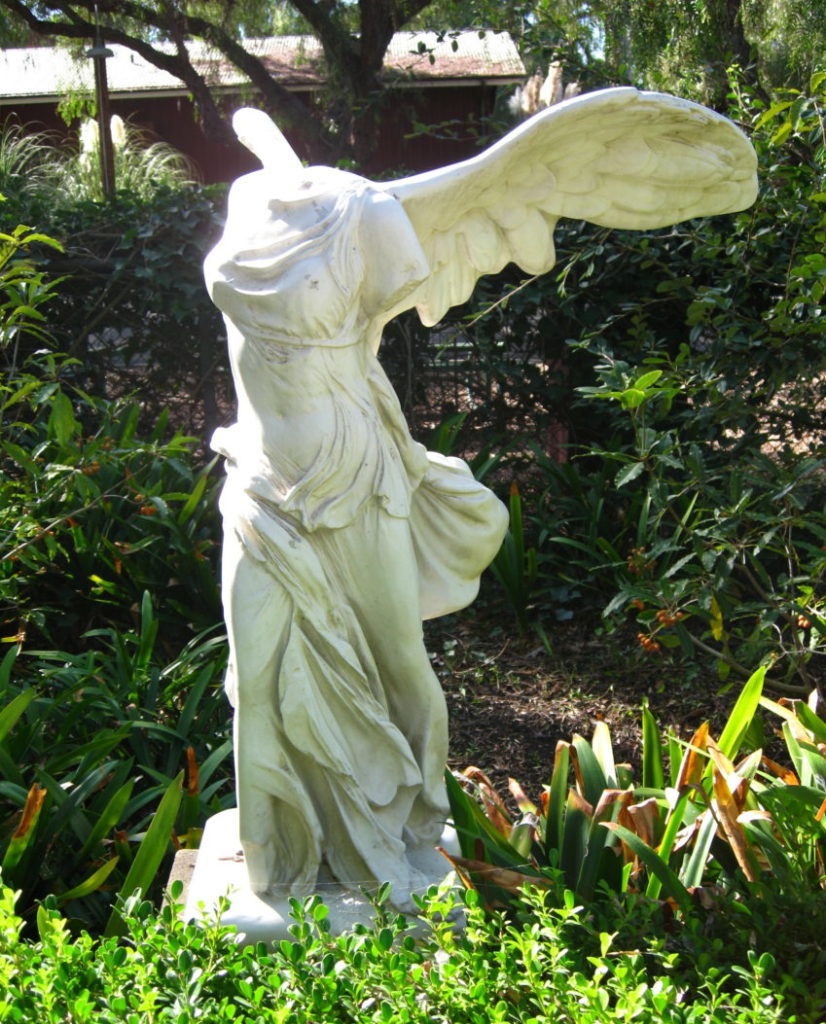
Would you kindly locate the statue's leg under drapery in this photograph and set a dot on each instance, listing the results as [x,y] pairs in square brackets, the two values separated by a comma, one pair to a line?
[348,674]
[372,562]
[280,843]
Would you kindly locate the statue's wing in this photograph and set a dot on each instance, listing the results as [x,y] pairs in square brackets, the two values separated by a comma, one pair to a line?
[619,158]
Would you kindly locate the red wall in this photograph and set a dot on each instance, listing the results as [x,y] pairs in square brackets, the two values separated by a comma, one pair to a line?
[172,120]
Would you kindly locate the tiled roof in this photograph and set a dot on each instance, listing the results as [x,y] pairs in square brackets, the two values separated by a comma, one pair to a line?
[40,73]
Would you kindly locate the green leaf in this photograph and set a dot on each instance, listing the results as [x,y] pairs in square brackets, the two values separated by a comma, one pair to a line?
[671,884]
[742,714]
[474,828]
[673,825]
[574,845]
[604,752]
[632,398]
[652,754]
[14,709]
[62,424]
[191,503]
[91,884]
[557,798]
[108,818]
[716,620]
[814,723]
[25,832]
[647,379]
[628,473]
[214,761]
[772,112]
[691,874]
[150,853]
[594,781]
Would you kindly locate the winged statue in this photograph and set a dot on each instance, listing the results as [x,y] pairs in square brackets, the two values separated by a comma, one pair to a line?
[341,533]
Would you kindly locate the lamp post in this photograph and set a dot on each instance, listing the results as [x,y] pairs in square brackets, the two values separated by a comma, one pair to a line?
[99,54]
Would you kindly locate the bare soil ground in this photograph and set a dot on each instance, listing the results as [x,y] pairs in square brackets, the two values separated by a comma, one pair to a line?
[510,700]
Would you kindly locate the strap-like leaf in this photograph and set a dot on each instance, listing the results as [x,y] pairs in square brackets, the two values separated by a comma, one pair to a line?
[742,714]
[150,852]
[670,883]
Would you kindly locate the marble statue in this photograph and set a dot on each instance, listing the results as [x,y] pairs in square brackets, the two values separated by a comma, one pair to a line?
[341,533]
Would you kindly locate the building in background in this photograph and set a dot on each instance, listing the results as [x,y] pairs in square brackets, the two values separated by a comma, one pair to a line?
[450,82]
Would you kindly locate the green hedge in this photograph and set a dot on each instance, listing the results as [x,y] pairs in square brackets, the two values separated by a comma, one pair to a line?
[563,966]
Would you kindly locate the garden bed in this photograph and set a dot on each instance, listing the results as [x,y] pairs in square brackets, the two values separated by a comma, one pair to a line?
[510,700]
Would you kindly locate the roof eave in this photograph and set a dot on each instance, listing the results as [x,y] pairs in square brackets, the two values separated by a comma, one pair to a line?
[167,92]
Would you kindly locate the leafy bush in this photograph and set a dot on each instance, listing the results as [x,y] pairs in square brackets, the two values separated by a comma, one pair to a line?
[90,745]
[727,564]
[107,557]
[92,516]
[564,966]
[694,493]
[129,300]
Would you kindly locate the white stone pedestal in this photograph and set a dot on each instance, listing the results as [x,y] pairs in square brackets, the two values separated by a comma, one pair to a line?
[220,871]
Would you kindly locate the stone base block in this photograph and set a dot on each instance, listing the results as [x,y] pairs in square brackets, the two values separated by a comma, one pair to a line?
[220,871]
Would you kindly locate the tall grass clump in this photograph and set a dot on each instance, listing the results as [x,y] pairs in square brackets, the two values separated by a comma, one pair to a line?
[38,165]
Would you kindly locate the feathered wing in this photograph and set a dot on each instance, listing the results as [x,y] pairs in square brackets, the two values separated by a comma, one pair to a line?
[618,158]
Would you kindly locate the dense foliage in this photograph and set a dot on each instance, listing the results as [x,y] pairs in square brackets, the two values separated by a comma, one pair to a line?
[710,813]
[111,680]
[127,295]
[563,964]
[686,370]
[708,346]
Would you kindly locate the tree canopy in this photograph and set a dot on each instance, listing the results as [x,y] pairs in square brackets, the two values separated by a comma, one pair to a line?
[680,46]
[687,45]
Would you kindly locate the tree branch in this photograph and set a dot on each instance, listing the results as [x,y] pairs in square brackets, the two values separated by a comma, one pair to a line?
[354,62]
[215,127]
[277,99]
[405,10]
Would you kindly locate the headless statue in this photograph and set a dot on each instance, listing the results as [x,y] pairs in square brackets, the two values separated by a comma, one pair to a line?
[341,533]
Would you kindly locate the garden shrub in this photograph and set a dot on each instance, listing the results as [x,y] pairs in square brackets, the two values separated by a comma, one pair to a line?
[703,500]
[739,295]
[93,516]
[711,826]
[115,655]
[563,965]
[728,563]
[129,298]
[108,549]
[90,745]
